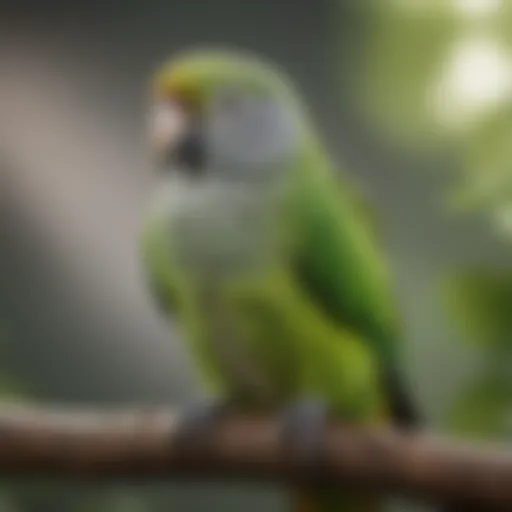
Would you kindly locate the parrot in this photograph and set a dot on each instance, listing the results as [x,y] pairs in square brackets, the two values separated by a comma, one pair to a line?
[266,257]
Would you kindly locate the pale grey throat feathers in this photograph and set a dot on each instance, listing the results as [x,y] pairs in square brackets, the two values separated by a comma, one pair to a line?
[220,230]
[224,223]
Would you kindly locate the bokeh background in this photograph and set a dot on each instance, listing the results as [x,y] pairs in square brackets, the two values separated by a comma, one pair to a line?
[412,97]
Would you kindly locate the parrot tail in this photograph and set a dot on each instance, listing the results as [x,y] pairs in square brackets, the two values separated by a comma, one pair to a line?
[309,500]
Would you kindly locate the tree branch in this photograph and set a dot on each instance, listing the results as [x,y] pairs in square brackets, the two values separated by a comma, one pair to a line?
[142,444]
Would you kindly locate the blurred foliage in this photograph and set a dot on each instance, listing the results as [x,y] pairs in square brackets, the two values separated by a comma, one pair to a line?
[121,501]
[485,180]
[421,82]
[483,411]
[401,58]
[60,497]
[436,76]
[479,303]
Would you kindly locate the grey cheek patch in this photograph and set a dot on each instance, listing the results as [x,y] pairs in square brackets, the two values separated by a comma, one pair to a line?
[259,134]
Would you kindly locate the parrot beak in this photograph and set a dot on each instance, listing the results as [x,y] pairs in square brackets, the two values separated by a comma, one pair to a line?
[169,124]
[176,137]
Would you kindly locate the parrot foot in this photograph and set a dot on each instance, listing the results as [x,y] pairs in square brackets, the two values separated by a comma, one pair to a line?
[198,422]
[303,425]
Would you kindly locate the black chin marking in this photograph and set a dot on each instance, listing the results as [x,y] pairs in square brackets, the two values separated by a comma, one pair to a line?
[191,154]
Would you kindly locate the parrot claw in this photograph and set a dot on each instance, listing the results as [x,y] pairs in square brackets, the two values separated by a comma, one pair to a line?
[199,420]
[303,426]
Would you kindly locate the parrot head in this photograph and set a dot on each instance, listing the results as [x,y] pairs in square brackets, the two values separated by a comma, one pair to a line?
[222,113]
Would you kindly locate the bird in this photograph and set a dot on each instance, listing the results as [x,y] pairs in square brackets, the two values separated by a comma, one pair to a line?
[266,256]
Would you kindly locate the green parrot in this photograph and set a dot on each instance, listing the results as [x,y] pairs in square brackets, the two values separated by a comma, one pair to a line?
[266,257]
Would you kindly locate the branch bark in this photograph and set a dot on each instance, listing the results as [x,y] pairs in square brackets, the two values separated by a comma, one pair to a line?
[142,444]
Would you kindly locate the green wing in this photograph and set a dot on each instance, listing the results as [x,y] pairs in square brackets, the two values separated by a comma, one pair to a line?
[341,269]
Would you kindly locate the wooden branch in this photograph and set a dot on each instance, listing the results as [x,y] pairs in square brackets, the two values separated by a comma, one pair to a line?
[141,444]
